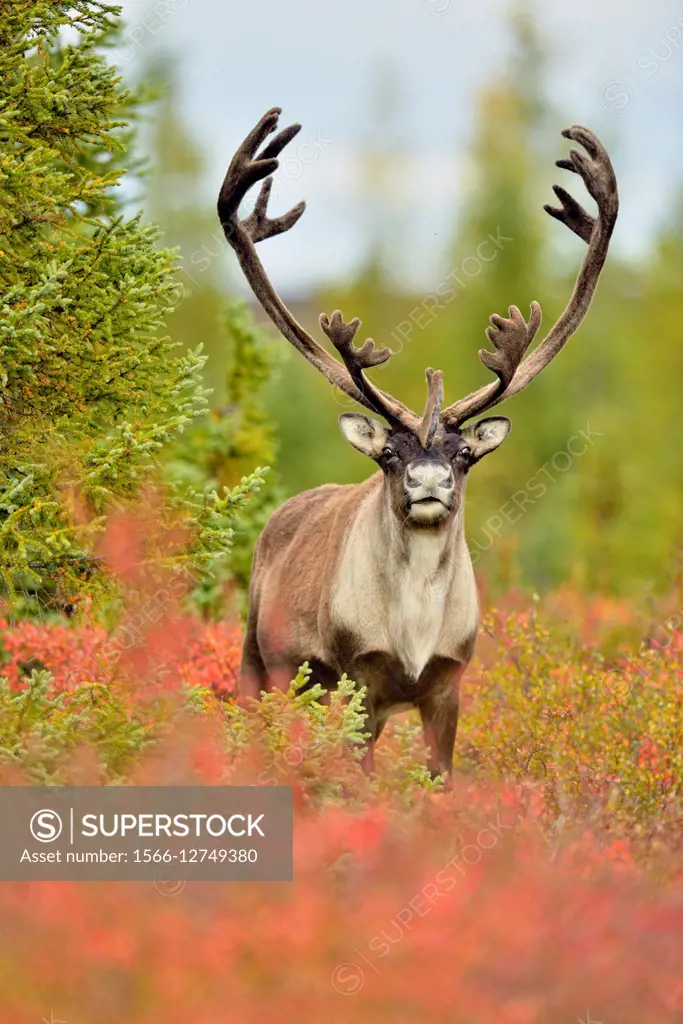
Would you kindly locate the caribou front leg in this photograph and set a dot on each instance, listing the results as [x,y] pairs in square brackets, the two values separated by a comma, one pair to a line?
[373,726]
[439,713]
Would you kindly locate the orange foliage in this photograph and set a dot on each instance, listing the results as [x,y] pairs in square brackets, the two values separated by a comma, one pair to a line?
[408,904]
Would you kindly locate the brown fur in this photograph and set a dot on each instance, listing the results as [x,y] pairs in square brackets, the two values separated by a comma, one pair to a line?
[296,568]
[302,541]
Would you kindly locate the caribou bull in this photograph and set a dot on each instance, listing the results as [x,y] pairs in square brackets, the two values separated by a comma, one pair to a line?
[375,579]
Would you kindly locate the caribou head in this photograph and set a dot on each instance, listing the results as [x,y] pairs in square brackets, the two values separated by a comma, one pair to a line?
[424,458]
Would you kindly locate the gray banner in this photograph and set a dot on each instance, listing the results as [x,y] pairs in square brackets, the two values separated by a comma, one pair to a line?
[168,835]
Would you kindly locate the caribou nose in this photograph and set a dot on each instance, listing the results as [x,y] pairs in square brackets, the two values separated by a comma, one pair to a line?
[428,475]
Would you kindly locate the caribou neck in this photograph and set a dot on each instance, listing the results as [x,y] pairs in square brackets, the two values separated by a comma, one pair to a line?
[431,555]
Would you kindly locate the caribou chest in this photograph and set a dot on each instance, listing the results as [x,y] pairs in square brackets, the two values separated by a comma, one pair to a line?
[415,602]
[397,597]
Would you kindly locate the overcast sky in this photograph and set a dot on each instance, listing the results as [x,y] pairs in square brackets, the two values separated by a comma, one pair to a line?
[614,65]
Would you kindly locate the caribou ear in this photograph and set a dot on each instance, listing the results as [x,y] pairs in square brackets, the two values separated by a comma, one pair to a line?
[367,435]
[486,435]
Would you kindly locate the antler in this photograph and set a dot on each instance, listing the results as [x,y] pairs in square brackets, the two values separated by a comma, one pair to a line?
[246,168]
[511,338]
[341,334]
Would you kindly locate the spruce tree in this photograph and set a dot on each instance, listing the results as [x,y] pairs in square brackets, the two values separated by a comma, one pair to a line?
[91,386]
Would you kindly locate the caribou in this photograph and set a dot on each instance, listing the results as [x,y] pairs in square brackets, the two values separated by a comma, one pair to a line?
[344,575]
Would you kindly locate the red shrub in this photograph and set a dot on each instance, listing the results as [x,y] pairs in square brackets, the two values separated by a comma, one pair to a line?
[423,918]
[193,652]
[508,901]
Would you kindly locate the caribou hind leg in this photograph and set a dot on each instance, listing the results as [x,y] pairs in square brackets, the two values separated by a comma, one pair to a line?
[253,672]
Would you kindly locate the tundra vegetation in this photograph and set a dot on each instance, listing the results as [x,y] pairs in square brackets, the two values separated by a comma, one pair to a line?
[545,886]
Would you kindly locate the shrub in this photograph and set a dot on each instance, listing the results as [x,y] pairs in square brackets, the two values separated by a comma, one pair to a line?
[544,887]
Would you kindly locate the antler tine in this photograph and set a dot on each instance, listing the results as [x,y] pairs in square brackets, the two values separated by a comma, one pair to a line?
[430,419]
[244,171]
[356,359]
[511,339]
[571,213]
[598,175]
[247,167]
[259,225]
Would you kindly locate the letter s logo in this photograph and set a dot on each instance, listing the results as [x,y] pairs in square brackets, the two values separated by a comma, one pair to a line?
[46,826]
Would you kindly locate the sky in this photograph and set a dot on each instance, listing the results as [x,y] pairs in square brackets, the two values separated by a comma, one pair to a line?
[616,67]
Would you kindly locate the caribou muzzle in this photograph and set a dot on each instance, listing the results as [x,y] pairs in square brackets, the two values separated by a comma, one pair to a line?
[429,490]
